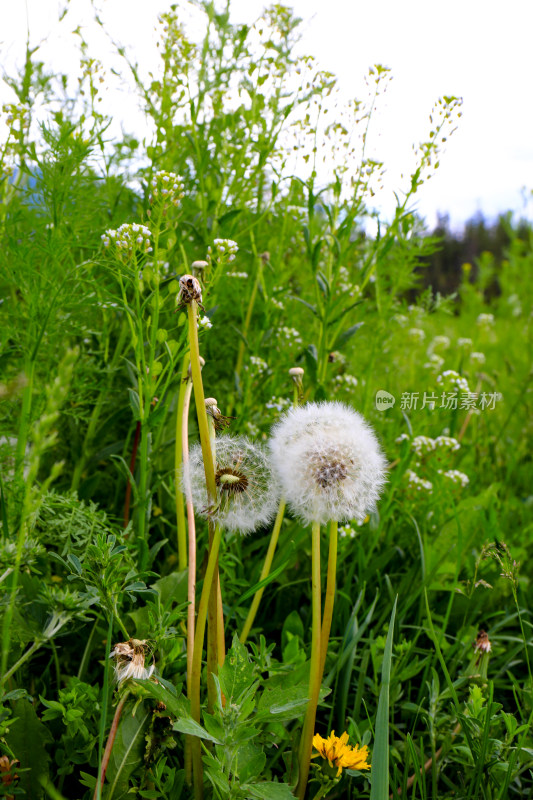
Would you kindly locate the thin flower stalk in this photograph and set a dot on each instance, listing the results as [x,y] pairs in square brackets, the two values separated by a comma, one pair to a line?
[213,605]
[315,672]
[182,418]
[264,572]
[330,594]
[109,746]
[197,659]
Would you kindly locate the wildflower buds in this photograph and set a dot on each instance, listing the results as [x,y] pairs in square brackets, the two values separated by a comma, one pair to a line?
[128,238]
[129,660]
[297,374]
[199,266]
[167,188]
[190,290]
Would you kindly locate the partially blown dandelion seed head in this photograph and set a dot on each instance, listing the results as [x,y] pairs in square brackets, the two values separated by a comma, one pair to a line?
[328,461]
[130,660]
[248,493]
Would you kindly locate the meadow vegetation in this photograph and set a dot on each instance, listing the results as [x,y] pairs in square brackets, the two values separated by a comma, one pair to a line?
[124,262]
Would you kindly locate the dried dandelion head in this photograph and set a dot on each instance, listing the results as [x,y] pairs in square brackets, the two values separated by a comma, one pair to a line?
[328,461]
[247,492]
[130,659]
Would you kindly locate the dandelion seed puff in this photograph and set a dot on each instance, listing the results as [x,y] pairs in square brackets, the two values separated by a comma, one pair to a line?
[247,491]
[130,660]
[328,461]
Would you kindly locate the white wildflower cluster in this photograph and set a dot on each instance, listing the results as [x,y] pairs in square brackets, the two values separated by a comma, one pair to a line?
[277,303]
[403,437]
[242,275]
[167,187]
[204,323]
[450,379]
[414,481]
[223,249]
[417,334]
[477,358]
[456,476]
[516,306]
[447,443]
[128,238]
[328,461]
[350,381]
[345,283]
[291,335]
[438,343]
[346,531]
[257,365]
[464,343]
[422,445]
[485,320]
[401,320]
[248,492]
[435,362]
[278,403]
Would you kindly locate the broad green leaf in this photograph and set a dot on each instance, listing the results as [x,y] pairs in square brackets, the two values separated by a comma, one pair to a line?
[269,791]
[237,673]
[128,750]
[189,726]
[27,737]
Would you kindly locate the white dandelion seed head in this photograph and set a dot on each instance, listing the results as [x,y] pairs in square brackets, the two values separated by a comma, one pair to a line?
[328,461]
[248,493]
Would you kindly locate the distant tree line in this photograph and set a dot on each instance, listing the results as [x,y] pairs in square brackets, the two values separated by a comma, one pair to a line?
[442,267]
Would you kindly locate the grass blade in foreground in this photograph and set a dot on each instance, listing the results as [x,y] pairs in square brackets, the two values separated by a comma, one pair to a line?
[380,756]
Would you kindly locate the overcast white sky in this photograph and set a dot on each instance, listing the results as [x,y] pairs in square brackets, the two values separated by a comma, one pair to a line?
[480,50]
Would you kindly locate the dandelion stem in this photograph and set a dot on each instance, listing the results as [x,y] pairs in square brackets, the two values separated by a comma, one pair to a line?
[264,572]
[314,674]
[109,746]
[330,594]
[197,659]
[212,611]
[182,417]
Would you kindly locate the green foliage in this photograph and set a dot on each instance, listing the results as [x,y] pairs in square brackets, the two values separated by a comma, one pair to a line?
[92,347]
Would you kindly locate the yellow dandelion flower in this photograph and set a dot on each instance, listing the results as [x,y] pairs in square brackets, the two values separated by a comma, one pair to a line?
[339,753]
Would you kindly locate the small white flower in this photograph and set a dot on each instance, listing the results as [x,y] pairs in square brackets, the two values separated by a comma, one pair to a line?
[456,476]
[278,403]
[418,483]
[242,275]
[464,342]
[422,445]
[402,438]
[328,461]
[452,380]
[247,491]
[447,442]
[417,334]
[438,343]
[205,322]
[477,358]
[485,320]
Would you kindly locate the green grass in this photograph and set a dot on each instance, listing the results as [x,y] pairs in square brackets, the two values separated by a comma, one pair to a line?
[92,351]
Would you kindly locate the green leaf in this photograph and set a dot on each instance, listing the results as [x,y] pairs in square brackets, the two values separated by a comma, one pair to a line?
[343,337]
[237,673]
[189,726]
[172,588]
[27,737]
[380,756]
[135,404]
[128,750]
[250,762]
[269,791]
[75,563]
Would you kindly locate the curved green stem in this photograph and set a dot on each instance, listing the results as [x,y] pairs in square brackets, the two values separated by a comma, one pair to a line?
[197,660]
[265,571]
[181,435]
